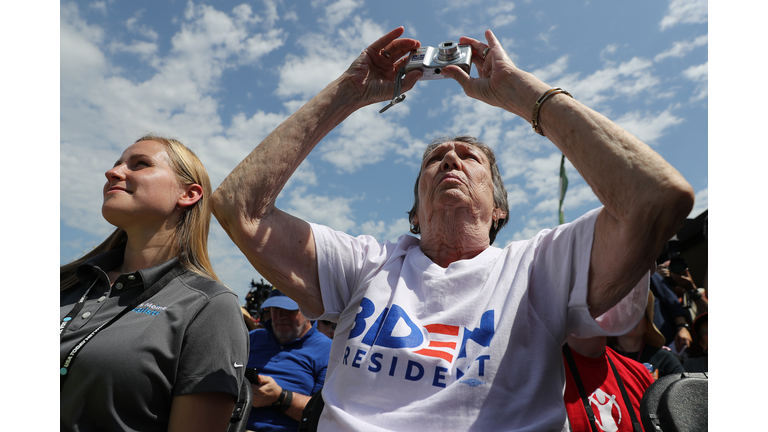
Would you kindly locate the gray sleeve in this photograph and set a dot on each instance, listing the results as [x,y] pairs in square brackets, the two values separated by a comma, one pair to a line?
[214,350]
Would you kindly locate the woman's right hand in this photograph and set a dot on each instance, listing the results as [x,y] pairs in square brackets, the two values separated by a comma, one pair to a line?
[373,73]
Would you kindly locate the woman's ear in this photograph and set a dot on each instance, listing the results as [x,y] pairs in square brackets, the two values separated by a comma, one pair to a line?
[192,194]
[499,214]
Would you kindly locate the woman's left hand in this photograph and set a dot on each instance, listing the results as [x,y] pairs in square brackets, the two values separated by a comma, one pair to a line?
[500,83]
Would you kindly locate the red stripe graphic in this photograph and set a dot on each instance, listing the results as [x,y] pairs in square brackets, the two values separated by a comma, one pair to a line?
[438,344]
[435,353]
[443,329]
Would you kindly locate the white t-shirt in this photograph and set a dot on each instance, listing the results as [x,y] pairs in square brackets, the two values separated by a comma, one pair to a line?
[475,346]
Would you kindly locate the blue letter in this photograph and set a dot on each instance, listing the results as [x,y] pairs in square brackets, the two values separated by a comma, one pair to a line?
[346,354]
[439,375]
[409,369]
[373,332]
[392,366]
[368,309]
[482,360]
[385,339]
[375,360]
[358,356]
[482,335]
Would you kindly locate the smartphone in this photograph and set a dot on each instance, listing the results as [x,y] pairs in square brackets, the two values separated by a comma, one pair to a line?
[252,374]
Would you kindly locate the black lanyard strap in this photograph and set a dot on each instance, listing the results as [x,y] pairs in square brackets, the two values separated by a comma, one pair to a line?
[146,295]
[635,424]
[580,386]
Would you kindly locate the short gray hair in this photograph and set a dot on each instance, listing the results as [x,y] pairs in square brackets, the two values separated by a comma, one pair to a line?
[499,192]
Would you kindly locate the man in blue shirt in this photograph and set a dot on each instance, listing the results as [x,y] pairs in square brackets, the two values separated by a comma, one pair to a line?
[290,357]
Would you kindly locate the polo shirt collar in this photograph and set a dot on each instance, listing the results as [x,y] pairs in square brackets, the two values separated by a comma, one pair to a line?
[107,261]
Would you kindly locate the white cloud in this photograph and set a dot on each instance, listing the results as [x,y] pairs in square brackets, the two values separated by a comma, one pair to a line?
[701,203]
[648,127]
[533,225]
[501,14]
[99,6]
[141,48]
[546,36]
[354,145]
[543,175]
[699,74]
[103,110]
[334,212]
[684,12]
[324,58]
[608,50]
[382,231]
[625,79]
[340,10]
[681,48]
[552,70]
[133,25]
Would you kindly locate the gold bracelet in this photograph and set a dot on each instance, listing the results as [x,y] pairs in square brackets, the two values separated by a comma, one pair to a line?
[537,107]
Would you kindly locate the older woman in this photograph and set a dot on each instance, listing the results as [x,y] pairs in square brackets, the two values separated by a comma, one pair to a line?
[150,338]
[447,332]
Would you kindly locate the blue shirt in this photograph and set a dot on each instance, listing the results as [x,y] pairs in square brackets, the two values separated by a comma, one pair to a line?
[298,366]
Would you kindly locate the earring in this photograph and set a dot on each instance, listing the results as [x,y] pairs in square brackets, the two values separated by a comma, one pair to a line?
[495,224]
[415,229]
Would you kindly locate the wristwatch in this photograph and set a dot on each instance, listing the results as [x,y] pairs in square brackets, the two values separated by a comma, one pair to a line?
[686,325]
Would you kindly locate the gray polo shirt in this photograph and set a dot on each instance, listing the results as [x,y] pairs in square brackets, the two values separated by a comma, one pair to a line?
[188,338]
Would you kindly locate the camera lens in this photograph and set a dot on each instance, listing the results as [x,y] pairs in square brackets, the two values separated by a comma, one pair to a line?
[448,51]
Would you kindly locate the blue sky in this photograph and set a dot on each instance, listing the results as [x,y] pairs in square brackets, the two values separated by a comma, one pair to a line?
[220,75]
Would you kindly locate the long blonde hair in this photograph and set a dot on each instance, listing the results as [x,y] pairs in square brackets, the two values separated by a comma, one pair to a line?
[190,239]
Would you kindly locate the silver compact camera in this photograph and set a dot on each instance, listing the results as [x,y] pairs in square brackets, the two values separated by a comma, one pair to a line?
[431,60]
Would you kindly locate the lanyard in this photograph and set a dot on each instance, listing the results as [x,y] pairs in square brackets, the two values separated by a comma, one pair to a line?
[75,310]
[146,295]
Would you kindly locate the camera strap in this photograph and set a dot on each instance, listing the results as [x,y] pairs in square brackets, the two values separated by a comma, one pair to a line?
[397,98]
[146,295]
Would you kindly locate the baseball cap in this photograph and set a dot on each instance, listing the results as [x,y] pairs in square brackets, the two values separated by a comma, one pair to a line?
[278,299]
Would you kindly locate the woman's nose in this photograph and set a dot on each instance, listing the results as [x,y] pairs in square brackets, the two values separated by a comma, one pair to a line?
[115,172]
[451,161]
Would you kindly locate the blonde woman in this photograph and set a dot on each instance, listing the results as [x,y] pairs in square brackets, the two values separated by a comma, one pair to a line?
[150,338]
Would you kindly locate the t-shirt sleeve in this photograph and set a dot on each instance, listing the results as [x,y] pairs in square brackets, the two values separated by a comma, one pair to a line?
[561,270]
[214,344]
[344,262]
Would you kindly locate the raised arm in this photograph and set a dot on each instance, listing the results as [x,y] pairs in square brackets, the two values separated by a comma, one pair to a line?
[646,200]
[281,247]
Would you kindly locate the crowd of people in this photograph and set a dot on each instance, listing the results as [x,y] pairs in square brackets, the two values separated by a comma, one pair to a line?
[437,332]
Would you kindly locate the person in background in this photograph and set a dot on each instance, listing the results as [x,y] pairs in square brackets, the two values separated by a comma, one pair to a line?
[603,386]
[697,361]
[290,358]
[326,327]
[692,299]
[250,323]
[445,331]
[645,343]
[669,315]
[150,339]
